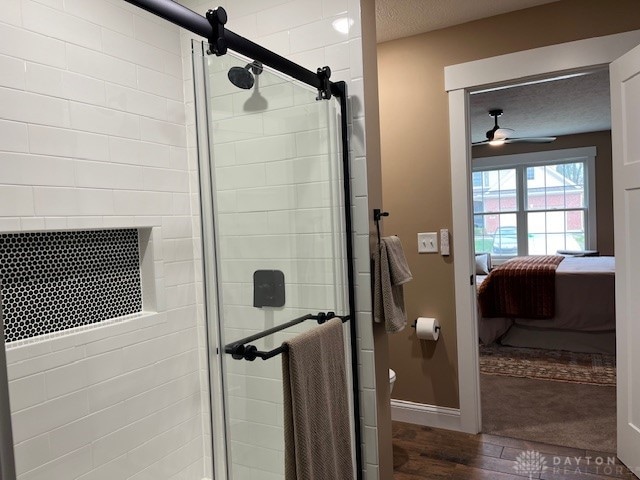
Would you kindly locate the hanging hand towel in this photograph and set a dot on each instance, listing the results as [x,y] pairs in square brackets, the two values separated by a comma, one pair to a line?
[317,430]
[391,271]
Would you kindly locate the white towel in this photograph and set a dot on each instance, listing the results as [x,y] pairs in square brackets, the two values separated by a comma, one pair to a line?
[391,271]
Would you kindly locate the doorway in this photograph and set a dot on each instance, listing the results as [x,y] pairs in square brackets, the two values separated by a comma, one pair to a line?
[459,81]
[538,191]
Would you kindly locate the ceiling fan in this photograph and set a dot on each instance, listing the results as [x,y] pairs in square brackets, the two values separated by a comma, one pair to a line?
[500,136]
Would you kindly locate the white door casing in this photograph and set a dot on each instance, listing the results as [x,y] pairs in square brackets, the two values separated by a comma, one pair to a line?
[625,136]
[459,80]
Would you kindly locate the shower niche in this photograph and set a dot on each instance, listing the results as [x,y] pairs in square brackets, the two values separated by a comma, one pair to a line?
[54,281]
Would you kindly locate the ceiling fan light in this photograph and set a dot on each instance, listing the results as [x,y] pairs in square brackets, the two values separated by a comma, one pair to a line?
[495,143]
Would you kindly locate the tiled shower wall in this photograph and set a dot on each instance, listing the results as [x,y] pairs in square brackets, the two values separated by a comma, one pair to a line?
[92,136]
[302,31]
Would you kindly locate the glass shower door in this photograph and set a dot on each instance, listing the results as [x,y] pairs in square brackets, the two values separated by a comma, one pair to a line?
[274,242]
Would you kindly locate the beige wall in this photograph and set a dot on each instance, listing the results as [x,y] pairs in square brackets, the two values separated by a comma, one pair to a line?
[415,160]
[604,178]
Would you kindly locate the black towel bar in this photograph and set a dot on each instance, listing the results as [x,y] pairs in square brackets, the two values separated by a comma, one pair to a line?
[239,349]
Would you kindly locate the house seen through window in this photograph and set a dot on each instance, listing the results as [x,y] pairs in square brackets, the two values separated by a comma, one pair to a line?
[533,204]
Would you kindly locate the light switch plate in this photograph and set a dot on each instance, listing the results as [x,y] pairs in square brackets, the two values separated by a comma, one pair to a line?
[444,242]
[428,242]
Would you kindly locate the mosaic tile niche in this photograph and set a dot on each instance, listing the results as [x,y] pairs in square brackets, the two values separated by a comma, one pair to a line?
[54,281]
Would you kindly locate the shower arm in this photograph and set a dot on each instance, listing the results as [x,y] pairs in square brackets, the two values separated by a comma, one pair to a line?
[212,28]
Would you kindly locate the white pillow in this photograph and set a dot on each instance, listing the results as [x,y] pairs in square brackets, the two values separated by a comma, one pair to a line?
[482,264]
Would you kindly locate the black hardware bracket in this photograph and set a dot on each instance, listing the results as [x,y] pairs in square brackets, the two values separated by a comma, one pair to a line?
[217,19]
[377,216]
[324,92]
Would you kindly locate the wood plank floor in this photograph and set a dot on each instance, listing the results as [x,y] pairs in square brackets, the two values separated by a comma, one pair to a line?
[421,453]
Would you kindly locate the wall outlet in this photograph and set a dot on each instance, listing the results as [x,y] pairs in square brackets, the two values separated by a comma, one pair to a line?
[428,242]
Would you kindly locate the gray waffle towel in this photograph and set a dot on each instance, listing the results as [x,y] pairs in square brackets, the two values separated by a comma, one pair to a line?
[317,430]
[391,271]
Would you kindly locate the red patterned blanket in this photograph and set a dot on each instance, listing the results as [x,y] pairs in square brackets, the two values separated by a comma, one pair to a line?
[523,287]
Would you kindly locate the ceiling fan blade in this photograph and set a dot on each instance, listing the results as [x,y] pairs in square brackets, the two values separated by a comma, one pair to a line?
[530,140]
[503,133]
[519,140]
[498,136]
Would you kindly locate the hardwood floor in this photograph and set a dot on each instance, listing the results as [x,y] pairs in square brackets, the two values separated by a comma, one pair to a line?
[421,453]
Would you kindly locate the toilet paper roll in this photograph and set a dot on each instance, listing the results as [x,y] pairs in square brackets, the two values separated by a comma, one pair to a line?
[427,328]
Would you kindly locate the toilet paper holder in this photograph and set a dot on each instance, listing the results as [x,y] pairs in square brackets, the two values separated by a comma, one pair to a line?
[415,322]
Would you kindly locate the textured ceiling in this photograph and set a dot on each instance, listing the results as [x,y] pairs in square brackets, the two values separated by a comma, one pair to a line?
[554,108]
[403,18]
[559,107]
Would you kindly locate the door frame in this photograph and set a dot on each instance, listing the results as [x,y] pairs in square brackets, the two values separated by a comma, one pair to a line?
[461,79]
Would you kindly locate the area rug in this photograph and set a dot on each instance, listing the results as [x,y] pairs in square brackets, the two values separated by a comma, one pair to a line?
[556,365]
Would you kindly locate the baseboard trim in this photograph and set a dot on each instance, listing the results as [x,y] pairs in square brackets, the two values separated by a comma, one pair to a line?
[427,415]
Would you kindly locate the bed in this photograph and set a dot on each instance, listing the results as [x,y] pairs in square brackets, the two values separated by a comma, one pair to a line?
[584,310]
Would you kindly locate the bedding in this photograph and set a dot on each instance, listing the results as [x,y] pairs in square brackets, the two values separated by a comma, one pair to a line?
[584,301]
[521,287]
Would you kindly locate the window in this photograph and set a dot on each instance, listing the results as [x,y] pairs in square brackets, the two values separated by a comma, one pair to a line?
[534,204]
[494,209]
[478,179]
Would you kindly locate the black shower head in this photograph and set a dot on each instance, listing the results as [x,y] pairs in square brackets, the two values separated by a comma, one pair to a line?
[242,77]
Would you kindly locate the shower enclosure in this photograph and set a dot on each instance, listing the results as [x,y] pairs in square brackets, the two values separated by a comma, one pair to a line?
[277,257]
[104,379]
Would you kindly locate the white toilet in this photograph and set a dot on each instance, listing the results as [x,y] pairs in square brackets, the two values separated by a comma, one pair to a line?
[392,380]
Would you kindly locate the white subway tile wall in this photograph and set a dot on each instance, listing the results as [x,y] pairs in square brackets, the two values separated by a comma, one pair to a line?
[123,397]
[93,136]
[301,30]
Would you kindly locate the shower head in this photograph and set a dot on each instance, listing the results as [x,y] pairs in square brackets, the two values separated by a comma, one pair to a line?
[242,77]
